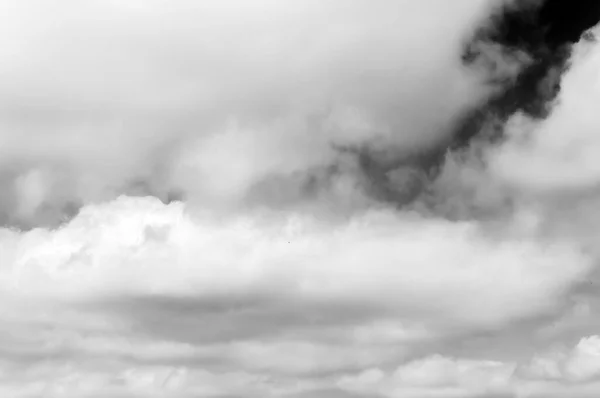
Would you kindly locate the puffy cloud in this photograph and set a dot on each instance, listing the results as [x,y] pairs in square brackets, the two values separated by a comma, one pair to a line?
[558,373]
[292,297]
[228,104]
[438,376]
[558,153]
[103,98]
[393,261]
[580,364]
[584,362]
[442,372]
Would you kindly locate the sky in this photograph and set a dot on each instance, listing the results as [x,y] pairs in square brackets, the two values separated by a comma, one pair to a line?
[209,199]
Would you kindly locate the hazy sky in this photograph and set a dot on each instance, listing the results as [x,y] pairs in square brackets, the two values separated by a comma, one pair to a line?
[277,273]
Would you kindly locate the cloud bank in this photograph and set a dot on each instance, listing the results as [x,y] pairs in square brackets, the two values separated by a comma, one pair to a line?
[209,200]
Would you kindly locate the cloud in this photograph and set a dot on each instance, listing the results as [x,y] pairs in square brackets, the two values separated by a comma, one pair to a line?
[138,246]
[571,372]
[295,297]
[438,376]
[277,272]
[557,154]
[105,98]
[580,364]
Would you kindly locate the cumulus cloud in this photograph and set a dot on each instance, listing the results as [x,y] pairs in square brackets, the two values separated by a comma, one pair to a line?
[105,98]
[439,376]
[291,298]
[188,210]
[580,364]
[558,154]
[140,246]
[564,372]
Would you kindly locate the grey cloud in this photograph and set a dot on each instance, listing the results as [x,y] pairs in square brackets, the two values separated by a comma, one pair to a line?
[88,112]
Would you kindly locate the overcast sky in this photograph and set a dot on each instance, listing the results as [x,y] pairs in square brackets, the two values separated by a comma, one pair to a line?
[276,273]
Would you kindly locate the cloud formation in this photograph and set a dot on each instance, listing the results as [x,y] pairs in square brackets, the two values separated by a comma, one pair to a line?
[557,154]
[105,98]
[196,202]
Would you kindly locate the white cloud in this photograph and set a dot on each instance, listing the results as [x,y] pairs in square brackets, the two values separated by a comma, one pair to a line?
[285,297]
[219,99]
[100,95]
[578,365]
[443,372]
[584,362]
[437,376]
[559,373]
[396,262]
[559,153]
